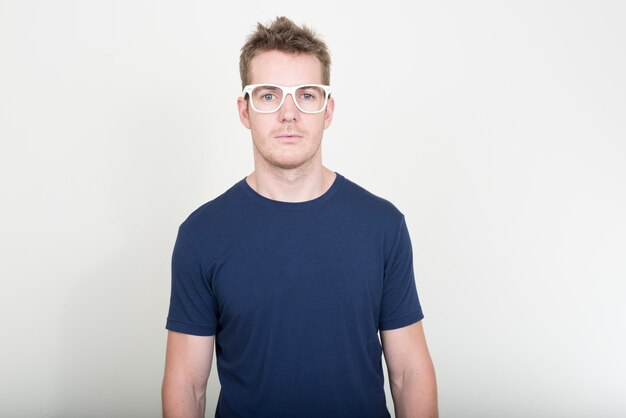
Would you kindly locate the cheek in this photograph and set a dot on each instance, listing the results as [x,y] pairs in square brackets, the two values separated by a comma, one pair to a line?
[260,128]
[316,128]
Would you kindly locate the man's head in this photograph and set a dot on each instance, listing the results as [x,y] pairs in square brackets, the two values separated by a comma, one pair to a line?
[285,36]
[286,125]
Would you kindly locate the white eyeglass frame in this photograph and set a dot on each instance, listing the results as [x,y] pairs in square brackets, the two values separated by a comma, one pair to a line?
[286,90]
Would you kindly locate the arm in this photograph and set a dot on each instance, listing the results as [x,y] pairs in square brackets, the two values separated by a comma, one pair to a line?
[187,367]
[411,372]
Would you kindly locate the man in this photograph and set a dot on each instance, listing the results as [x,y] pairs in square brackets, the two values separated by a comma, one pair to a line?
[293,271]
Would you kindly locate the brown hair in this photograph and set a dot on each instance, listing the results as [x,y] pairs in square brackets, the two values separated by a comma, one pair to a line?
[283,35]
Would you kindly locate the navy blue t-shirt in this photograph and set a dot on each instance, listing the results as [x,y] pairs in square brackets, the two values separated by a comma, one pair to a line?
[295,294]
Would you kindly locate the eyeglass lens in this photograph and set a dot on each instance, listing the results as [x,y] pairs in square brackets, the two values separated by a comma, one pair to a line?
[269,98]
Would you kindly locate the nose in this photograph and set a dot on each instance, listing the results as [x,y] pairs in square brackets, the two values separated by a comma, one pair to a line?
[289,110]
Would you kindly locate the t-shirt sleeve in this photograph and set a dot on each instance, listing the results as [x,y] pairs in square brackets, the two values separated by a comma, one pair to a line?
[193,308]
[400,304]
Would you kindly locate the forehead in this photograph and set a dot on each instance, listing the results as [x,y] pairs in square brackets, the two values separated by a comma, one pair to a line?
[284,68]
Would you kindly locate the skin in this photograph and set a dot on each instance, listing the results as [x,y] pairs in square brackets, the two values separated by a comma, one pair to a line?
[188,361]
[287,144]
[288,167]
[411,372]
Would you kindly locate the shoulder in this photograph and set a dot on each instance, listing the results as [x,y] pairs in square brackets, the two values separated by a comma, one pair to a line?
[215,212]
[369,204]
[377,215]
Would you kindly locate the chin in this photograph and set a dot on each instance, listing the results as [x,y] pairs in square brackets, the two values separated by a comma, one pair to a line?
[288,159]
[288,164]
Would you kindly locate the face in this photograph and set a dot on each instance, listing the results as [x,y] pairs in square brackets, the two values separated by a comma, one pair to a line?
[287,138]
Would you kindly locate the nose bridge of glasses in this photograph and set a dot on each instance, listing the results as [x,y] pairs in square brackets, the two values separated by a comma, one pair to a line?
[291,93]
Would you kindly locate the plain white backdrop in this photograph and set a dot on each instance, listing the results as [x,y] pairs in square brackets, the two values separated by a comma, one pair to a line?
[497,128]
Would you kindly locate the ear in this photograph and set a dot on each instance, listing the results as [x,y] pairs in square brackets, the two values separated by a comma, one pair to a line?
[244,116]
[330,109]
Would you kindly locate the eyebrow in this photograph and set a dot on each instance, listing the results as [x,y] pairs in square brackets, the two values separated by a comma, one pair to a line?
[267,87]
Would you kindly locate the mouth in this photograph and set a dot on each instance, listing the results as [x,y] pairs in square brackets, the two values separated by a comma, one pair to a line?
[289,136]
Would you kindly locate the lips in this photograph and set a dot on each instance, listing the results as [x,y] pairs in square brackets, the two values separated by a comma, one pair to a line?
[289,136]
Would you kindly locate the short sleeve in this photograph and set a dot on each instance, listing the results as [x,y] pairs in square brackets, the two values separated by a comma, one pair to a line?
[400,304]
[192,303]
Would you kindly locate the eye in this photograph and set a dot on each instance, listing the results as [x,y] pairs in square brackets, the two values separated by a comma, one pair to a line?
[310,94]
[266,94]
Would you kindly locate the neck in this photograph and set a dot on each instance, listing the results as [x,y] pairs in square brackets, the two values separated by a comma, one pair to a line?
[298,184]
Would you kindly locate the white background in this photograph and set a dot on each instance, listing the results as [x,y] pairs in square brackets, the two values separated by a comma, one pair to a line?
[497,128]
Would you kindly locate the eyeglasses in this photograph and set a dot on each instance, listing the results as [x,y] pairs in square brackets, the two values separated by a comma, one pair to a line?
[268,98]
